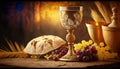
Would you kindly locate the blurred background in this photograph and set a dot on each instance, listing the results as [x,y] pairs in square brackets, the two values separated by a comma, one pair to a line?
[22,21]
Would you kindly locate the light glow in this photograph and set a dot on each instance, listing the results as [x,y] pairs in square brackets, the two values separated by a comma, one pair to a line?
[97,24]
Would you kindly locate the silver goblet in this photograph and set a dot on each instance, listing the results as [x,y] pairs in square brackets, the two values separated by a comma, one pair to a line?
[70,17]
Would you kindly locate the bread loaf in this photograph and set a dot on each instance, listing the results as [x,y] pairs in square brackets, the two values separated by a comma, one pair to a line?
[43,44]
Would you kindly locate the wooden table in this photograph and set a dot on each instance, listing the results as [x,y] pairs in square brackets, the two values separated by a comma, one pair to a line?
[42,63]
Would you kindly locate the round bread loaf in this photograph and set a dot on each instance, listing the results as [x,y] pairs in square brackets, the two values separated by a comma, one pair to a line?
[43,44]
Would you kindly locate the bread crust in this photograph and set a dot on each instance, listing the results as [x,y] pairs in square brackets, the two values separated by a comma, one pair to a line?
[43,44]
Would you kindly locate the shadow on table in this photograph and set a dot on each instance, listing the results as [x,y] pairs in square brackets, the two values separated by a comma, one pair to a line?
[115,65]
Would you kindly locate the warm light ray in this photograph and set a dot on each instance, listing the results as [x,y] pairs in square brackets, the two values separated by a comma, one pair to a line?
[97,24]
[37,12]
[50,11]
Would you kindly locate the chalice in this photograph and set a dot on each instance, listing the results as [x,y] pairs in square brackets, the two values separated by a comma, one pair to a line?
[70,17]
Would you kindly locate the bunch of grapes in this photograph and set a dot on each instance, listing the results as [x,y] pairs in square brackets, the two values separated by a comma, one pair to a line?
[59,53]
[83,44]
[88,53]
[104,52]
[85,51]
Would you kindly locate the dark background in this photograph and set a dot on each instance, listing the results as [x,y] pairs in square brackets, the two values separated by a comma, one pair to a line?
[18,20]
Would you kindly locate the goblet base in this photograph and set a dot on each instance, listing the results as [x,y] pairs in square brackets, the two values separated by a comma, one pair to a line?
[69,57]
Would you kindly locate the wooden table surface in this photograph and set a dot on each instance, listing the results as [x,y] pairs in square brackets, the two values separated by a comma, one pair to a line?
[42,63]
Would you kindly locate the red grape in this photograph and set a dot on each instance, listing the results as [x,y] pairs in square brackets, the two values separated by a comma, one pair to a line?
[85,58]
[60,52]
[56,58]
[78,52]
[57,51]
[81,56]
[87,47]
[87,52]
[64,50]
[91,57]
[58,55]
[95,57]
[93,49]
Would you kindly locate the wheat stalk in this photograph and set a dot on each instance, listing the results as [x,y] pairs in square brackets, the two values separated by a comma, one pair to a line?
[13,55]
[103,11]
[1,50]
[14,47]
[22,47]
[17,46]
[16,50]
[96,17]
[11,45]
[5,48]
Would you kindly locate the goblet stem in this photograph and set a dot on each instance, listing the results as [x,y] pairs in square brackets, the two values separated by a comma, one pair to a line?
[70,56]
[70,37]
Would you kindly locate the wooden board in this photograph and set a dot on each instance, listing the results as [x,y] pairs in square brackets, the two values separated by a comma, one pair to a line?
[42,63]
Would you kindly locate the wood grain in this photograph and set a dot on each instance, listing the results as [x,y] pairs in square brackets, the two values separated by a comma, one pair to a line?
[41,63]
